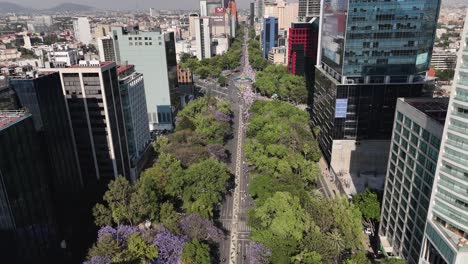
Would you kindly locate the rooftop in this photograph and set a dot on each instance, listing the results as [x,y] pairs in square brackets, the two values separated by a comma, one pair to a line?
[435,108]
[91,64]
[123,68]
[9,117]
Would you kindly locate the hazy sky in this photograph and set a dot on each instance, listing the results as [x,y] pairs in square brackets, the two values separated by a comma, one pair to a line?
[122,4]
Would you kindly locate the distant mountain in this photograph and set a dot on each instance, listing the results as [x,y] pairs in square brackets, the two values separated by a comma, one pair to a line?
[6,7]
[70,7]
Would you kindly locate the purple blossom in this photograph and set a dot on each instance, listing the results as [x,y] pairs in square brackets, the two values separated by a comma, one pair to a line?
[221,116]
[124,232]
[170,248]
[99,260]
[200,229]
[259,253]
[106,230]
[217,151]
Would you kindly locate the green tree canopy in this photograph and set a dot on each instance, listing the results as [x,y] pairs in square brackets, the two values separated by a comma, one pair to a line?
[368,204]
[195,253]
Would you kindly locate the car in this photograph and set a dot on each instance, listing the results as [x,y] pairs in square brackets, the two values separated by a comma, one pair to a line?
[368,231]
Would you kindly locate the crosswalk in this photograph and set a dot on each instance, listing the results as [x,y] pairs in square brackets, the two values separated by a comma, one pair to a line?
[243,227]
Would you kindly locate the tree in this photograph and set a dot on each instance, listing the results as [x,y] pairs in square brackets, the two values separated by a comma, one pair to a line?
[307,258]
[392,261]
[203,72]
[170,248]
[106,246]
[279,223]
[368,204]
[118,199]
[139,250]
[195,253]
[197,228]
[358,258]
[203,185]
[222,81]
[169,218]
[336,240]
[259,254]
[445,75]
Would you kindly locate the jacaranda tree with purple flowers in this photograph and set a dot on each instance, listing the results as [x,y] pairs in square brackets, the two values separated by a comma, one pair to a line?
[259,254]
[197,228]
[170,247]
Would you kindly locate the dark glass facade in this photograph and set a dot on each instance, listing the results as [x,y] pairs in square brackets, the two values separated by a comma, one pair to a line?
[43,97]
[379,38]
[172,76]
[98,123]
[8,99]
[369,109]
[28,227]
[372,52]
[270,35]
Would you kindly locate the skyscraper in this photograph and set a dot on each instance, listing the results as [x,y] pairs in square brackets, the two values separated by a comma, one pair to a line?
[302,47]
[153,54]
[417,132]
[252,14]
[270,35]
[82,30]
[132,90]
[94,105]
[308,9]
[446,234]
[203,37]
[369,57]
[27,219]
[106,49]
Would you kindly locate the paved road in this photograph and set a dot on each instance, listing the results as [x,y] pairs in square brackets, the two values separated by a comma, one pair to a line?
[233,211]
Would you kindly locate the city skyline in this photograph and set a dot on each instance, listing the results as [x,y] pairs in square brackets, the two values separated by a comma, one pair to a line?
[127,5]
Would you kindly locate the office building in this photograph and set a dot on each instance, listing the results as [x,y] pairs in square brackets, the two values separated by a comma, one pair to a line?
[62,56]
[153,54]
[277,55]
[192,25]
[106,49]
[94,105]
[309,9]
[27,219]
[417,133]
[446,234]
[302,48]
[102,30]
[443,60]
[203,37]
[8,99]
[368,57]
[41,94]
[284,11]
[270,35]
[132,90]
[82,30]
[252,14]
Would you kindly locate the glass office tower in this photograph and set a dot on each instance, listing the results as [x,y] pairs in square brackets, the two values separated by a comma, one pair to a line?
[372,52]
[446,234]
[270,35]
[28,227]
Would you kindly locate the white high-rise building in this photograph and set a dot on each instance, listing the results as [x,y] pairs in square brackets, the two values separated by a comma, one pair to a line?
[309,9]
[203,37]
[446,235]
[82,30]
[203,8]
[106,49]
[192,25]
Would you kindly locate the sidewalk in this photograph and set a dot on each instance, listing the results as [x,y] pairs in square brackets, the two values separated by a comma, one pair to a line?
[325,180]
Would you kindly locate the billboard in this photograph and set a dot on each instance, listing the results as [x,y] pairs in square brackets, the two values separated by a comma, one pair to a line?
[341,107]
